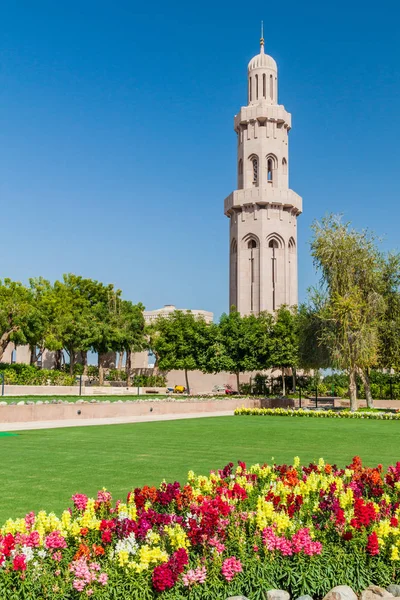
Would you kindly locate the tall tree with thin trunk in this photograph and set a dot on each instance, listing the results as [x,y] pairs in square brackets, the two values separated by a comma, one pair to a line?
[349,264]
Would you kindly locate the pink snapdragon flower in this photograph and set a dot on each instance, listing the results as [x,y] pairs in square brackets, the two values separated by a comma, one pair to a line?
[300,542]
[103,496]
[219,546]
[103,578]
[80,501]
[79,585]
[30,520]
[194,576]
[230,567]
[55,540]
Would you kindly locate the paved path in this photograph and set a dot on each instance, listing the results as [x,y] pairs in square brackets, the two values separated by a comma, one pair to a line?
[107,421]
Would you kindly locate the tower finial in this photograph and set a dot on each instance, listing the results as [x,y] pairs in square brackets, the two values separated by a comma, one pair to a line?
[262,38]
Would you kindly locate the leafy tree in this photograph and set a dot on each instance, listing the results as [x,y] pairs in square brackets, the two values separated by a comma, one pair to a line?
[179,341]
[389,324]
[313,353]
[284,345]
[39,330]
[74,324]
[16,309]
[131,332]
[352,304]
[237,346]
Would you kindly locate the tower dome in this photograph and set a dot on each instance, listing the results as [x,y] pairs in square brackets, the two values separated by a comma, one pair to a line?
[262,76]
[262,61]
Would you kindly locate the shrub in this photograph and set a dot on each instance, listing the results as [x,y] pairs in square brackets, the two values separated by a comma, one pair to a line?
[149,380]
[20,374]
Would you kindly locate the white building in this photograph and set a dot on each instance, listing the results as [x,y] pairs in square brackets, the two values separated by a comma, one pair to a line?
[263,210]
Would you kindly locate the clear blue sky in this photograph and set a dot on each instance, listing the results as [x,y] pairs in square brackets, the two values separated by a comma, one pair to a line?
[116,133]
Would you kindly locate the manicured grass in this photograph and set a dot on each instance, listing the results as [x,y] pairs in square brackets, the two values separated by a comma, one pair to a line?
[43,468]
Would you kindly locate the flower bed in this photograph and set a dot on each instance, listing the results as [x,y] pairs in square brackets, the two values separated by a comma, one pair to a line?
[242,530]
[317,414]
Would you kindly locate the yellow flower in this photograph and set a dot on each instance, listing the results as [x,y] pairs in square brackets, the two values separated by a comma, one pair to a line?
[346,499]
[383,529]
[177,536]
[123,557]
[264,513]
[394,555]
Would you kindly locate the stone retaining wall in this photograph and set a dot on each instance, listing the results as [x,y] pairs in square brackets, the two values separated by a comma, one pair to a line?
[73,410]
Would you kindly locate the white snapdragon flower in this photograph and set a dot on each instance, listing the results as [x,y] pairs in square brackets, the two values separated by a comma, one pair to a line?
[28,551]
[128,544]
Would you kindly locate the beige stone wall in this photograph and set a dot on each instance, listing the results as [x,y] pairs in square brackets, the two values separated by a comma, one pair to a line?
[56,412]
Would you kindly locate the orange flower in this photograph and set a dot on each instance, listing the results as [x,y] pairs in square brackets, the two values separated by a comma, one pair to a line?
[291,478]
[328,469]
[84,531]
[98,550]
[83,551]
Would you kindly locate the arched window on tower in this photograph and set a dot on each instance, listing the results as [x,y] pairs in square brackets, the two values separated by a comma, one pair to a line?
[254,164]
[264,85]
[270,171]
[240,174]
[254,276]
[256,87]
[284,165]
[271,87]
[292,271]
[233,275]
[250,90]
[272,164]
[273,244]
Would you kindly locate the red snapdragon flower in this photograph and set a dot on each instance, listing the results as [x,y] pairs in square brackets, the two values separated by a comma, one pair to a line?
[373,544]
[19,562]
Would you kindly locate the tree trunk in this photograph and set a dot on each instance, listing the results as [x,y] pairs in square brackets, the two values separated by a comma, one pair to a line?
[33,358]
[5,340]
[72,358]
[58,360]
[120,360]
[187,382]
[128,365]
[283,382]
[367,386]
[238,380]
[294,379]
[353,389]
[84,362]
[101,368]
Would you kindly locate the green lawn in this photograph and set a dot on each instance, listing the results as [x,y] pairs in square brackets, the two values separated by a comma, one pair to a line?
[43,468]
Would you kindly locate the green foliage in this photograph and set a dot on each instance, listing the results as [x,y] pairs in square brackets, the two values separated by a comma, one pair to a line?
[149,380]
[16,312]
[317,414]
[180,341]
[351,302]
[20,374]
[116,375]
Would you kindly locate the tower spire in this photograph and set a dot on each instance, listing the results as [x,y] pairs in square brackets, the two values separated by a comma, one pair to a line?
[262,38]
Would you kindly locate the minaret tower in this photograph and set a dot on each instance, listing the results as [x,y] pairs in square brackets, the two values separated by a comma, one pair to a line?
[263,210]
